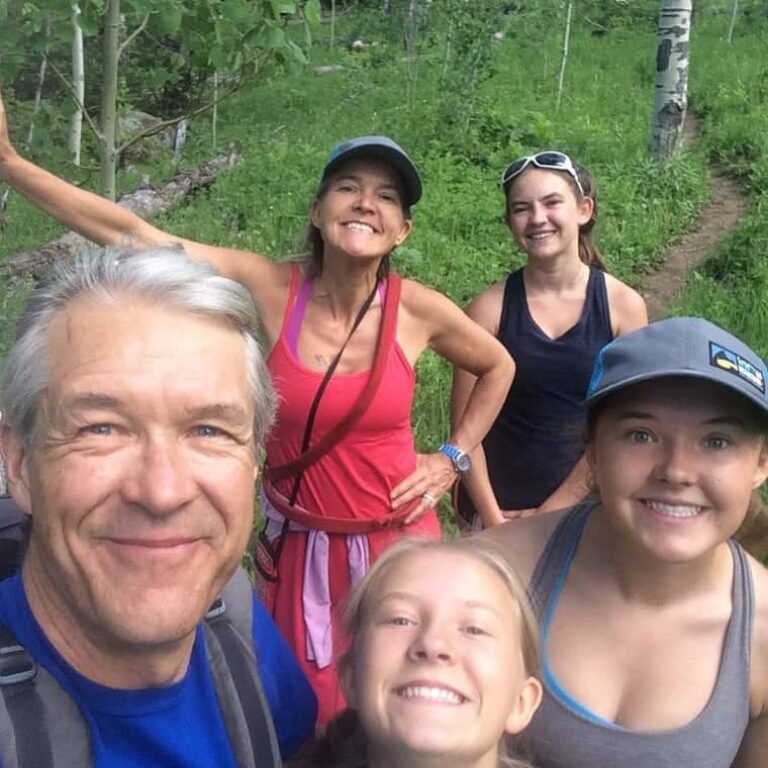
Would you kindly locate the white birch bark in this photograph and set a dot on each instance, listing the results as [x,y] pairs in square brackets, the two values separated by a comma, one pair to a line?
[410,28]
[38,96]
[732,22]
[215,115]
[107,149]
[671,87]
[333,23]
[566,42]
[78,84]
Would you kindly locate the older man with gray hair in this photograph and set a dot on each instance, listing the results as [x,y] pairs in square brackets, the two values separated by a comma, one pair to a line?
[134,402]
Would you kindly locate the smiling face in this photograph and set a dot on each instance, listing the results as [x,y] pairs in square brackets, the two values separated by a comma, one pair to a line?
[360,212]
[544,213]
[437,667]
[140,476]
[676,461]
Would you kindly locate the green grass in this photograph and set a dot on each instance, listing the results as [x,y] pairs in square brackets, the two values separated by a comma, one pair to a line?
[731,92]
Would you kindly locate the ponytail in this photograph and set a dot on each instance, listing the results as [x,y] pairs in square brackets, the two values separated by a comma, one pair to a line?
[753,533]
[588,252]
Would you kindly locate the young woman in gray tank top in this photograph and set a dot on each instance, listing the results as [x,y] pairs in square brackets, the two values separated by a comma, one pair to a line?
[654,620]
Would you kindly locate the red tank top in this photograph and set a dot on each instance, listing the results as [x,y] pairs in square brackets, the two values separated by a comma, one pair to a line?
[355,478]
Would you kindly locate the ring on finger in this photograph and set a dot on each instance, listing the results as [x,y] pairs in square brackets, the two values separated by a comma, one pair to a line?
[428,497]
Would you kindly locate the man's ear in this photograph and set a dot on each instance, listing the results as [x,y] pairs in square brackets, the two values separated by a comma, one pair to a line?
[14,456]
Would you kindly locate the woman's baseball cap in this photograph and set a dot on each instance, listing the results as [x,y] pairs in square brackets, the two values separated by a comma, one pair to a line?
[680,346]
[378,148]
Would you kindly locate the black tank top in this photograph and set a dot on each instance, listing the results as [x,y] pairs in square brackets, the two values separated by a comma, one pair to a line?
[539,434]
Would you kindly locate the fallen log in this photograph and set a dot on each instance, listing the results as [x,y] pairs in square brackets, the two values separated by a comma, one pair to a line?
[147,201]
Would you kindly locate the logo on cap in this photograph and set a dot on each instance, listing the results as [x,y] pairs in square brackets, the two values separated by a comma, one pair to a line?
[726,360]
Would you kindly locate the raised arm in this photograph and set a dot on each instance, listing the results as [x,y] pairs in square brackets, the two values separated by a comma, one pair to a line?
[461,341]
[107,223]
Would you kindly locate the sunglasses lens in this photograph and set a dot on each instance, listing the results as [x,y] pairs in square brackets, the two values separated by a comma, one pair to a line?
[554,159]
[513,169]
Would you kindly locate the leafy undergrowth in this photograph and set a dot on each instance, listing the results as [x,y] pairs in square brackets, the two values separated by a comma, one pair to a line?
[459,244]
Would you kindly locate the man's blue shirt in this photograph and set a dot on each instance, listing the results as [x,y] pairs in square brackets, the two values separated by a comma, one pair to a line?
[176,725]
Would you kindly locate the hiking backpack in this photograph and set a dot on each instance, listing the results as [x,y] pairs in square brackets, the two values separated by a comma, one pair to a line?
[40,724]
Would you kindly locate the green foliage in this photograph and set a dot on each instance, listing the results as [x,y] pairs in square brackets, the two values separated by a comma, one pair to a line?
[731,91]
[460,245]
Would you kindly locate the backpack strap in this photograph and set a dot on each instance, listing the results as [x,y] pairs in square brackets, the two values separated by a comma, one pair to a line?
[40,724]
[42,727]
[244,705]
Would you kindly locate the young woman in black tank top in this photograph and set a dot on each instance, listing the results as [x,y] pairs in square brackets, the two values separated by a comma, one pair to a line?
[654,620]
[553,315]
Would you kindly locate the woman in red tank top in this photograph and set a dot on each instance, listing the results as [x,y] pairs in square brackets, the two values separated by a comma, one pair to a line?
[365,485]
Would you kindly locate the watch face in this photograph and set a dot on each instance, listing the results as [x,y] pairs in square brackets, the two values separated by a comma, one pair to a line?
[462,463]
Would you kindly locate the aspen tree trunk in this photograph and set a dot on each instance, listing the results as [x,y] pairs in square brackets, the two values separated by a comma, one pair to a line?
[333,22]
[215,115]
[410,28]
[566,41]
[38,90]
[107,149]
[671,88]
[732,23]
[78,82]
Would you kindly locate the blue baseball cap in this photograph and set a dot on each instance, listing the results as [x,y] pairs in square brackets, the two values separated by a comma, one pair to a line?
[680,346]
[379,148]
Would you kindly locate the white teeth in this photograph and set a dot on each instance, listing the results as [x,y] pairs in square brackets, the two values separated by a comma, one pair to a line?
[430,693]
[674,510]
[358,226]
[541,236]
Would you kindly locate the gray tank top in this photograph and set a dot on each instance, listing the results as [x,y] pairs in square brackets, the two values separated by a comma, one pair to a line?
[564,734]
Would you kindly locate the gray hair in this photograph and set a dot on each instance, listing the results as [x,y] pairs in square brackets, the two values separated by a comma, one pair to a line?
[165,275]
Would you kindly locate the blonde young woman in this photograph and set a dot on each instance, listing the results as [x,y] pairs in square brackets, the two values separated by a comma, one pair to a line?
[343,335]
[654,620]
[443,664]
[553,316]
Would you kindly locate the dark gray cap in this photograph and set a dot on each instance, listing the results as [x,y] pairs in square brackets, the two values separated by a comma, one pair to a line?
[378,148]
[681,346]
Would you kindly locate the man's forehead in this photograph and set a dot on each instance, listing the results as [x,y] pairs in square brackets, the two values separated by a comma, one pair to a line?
[103,349]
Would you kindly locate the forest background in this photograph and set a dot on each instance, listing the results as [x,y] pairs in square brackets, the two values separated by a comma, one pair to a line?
[465,86]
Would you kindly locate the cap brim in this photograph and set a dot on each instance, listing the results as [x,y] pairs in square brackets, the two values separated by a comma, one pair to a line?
[591,401]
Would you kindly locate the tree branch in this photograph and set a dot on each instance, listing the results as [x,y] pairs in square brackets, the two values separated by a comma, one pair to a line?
[128,40]
[73,93]
[175,120]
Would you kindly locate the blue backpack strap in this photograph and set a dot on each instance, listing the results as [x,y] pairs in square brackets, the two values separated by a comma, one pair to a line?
[235,671]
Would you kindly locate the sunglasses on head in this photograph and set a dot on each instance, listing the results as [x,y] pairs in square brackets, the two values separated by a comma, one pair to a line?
[550,161]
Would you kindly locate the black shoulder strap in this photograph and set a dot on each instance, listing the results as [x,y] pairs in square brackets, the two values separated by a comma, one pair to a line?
[40,724]
[36,713]
[23,705]
[236,678]
[14,529]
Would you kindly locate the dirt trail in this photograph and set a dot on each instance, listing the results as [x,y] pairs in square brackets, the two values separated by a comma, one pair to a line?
[717,218]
